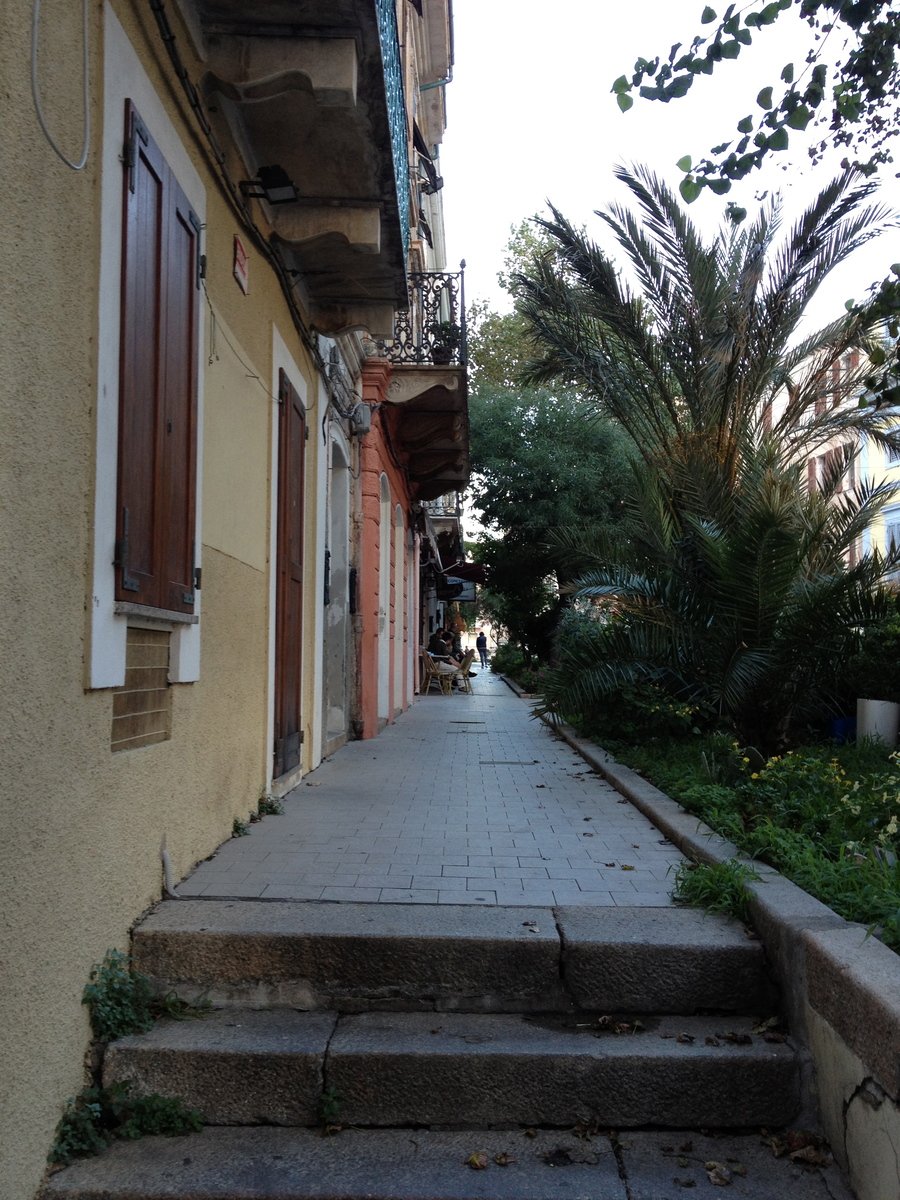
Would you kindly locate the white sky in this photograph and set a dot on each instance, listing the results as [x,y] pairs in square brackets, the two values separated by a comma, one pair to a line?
[531,117]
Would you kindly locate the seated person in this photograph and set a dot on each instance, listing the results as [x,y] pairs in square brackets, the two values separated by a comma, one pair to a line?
[437,646]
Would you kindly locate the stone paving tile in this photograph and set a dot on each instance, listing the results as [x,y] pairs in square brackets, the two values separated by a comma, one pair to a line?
[436,812]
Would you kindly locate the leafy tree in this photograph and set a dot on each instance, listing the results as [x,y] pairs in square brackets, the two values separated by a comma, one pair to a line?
[541,462]
[857,98]
[730,575]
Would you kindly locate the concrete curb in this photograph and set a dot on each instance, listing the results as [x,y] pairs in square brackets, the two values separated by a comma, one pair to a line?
[832,975]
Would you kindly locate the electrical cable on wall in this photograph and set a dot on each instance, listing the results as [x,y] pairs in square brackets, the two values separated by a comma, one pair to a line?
[35,93]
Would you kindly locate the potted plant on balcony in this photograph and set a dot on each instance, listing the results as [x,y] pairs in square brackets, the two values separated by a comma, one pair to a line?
[873,674]
[446,339]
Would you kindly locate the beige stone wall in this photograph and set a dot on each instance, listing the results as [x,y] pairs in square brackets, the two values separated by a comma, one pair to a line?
[861,1121]
[80,848]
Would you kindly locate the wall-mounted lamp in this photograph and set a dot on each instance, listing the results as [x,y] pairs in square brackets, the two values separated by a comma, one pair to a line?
[272,184]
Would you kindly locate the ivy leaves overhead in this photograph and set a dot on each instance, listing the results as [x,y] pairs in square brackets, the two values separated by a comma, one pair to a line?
[856,98]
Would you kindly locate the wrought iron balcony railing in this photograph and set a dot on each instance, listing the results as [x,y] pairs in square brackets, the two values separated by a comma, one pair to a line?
[432,330]
[444,506]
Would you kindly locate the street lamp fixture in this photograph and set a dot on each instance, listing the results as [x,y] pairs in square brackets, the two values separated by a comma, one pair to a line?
[272,184]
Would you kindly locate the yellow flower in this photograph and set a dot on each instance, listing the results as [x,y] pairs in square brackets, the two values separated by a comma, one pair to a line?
[754,775]
[746,760]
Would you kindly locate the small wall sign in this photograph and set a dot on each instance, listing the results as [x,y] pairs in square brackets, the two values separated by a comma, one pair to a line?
[241,265]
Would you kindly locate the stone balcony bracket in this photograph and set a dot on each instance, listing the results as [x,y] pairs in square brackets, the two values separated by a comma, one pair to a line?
[410,381]
[359,224]
[335,319]
[258,68]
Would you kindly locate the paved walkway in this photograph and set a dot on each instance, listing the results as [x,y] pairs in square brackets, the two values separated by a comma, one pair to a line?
[465,800]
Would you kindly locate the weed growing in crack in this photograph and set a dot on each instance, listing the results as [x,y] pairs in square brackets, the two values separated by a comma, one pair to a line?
[119,998]
[715,887]
[96,1117]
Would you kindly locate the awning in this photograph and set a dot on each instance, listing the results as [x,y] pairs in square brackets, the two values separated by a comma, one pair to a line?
[471,572]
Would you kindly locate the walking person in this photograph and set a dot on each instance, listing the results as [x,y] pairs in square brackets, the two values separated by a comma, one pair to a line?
[481,647]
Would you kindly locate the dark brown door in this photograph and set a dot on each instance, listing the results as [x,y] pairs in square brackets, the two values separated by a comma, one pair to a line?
[289,606]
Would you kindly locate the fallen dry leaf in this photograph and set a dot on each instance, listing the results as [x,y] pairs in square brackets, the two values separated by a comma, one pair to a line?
[772,1036]
[685,1038]
[626,867]
[587,818]
[530,1133]
[635,846]
[529,922]
[718,1174]
[713,1041]
[683,1182]
[437,1029]
[609,864]
[769,1023]
[809,1154]
[683,1162]
[477,1161]
[503,1159]
[585,834]
[686,1147]
[736,1039]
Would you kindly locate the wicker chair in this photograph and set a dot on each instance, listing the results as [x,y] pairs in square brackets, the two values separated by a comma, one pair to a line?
[464,668]
[431,675]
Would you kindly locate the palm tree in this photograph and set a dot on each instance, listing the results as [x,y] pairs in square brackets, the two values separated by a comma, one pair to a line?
[732,579]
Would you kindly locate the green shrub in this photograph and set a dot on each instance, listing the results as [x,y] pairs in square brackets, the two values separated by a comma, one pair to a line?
[508,660]
[873,673]
[98,1116]
[119,998]
[640,711]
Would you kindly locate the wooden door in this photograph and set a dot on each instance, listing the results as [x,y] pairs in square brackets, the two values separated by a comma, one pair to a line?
[289,600]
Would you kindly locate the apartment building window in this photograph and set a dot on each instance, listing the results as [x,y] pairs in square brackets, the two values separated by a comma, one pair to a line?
[157,462]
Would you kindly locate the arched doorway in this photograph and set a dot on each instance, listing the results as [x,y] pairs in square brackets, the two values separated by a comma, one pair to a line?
[337,597]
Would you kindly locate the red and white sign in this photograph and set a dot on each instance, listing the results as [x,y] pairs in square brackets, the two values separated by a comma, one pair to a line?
[241,265]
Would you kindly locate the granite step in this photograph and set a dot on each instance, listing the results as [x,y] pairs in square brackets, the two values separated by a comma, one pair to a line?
[362,957]
[267,1163]
[464,1069]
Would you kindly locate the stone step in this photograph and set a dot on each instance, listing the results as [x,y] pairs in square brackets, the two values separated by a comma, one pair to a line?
[463,1070]
[297,1164]
[360,957]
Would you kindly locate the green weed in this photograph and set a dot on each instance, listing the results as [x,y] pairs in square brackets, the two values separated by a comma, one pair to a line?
[329,1106]
[96,1117]
[270,806]
[715,887]
[239,828]
[119,998]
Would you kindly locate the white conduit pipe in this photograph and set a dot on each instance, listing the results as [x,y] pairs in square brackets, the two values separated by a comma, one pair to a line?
[169,887]
[35,93]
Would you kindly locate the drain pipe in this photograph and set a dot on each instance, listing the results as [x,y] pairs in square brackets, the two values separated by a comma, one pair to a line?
[168,885]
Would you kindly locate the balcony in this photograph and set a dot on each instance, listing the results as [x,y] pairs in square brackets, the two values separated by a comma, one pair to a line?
[427,387]
[317,89]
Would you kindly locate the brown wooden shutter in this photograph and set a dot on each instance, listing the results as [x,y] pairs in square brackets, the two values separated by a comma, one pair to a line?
[158,381]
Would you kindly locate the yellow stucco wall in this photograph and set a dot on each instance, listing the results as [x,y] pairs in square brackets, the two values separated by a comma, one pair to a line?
[79,855]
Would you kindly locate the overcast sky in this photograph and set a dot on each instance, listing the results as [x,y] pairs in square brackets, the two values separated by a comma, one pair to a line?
[531,118]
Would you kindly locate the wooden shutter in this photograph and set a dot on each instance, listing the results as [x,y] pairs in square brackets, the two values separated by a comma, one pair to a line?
[158,381]
[289,599]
